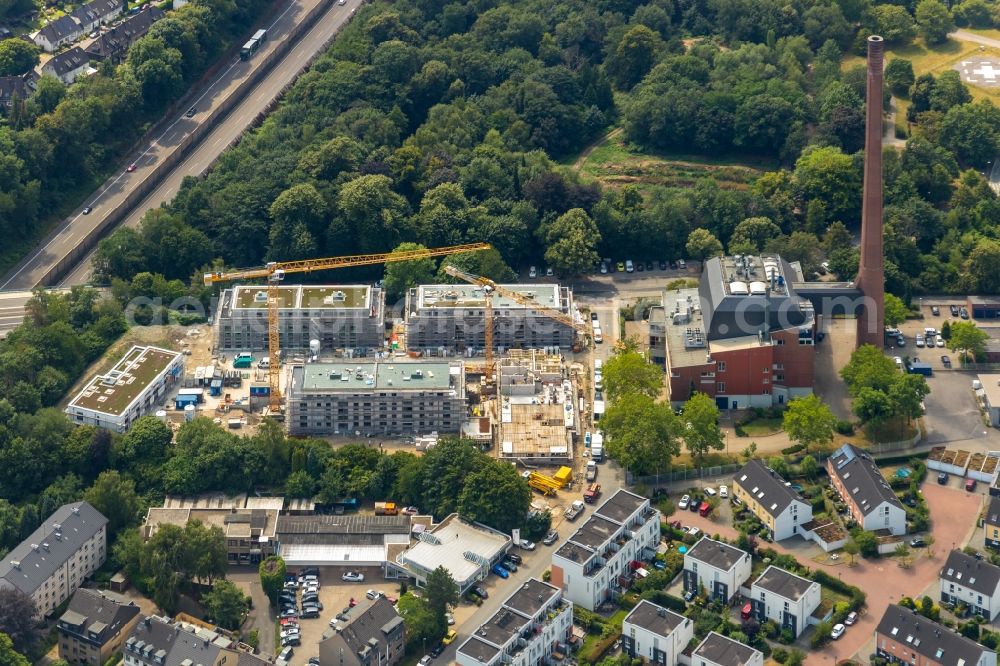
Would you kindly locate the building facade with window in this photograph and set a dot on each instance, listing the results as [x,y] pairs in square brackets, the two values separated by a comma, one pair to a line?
[372,635]
[868,496]
[771,499]
[532,626]
[991,524]
[903,636]
[973,582]
[784,597]
[52,563]
[594,564]
[94,626]
[717,568]
[655,635]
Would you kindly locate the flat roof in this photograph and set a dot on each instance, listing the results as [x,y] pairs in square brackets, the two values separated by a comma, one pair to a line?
[620,506]
[449,542]
[531,597]
[377,376]
[313,297]
[783,583]
[716,553]
[115,391]
[595,532]
[654,618]
[991,388]
[503,626]
[478,650]
[472,296]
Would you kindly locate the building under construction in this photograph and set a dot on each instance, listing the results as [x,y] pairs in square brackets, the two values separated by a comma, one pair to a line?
[451,318]
[339,317]
[536,415]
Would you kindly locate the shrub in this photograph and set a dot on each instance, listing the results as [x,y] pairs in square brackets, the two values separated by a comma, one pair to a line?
[739,430]
[780,655]
[822,635]
[793,449]
[844,427]
[661,598]
[786,636]
[856,594]
[990,639]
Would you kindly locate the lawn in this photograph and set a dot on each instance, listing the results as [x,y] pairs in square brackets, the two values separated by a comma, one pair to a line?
[761,427]
[616,164]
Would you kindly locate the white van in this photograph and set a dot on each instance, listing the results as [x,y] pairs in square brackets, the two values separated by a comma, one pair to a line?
[598,364]
[598,336]
[264,363]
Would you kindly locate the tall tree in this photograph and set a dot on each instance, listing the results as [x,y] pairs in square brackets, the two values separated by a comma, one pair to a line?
[8,655]
[899,75]
[809,421]
[934,21]
[702,244]
[421,624]
[17,57]
[18,618]
[629,372]
[642,434]
[272,576]
[402,275]
[968,338]
[572,241]
[114,496]
[701,430]
[636,53]
[441,592]
[504,505]
[226,604]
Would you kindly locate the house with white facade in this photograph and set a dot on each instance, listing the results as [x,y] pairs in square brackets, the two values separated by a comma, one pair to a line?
[68,66]
[52,563]
[786,598]
[531,626]
[59,32]
[868,496]
[718,650]
[655,634]
[973,582]
[97,13]
[594,563]
[716,567]
[771,499]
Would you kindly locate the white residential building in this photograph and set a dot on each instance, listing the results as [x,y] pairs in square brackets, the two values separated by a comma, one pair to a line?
[128,391]
[718,650]
[594,564]
[68,66]
[868,496]
[531,625]
[771,499]
[52,563]
[786,598]
[976,583]
[57,33]
[717,567]
[655,635]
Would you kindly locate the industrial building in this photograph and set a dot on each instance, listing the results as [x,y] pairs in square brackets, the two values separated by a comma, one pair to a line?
[376,398]
[451,318]
[52,563]
[743,337]
[340,540]
[339,317]
[594,563]
[533,626]
[537,408]
[131,389]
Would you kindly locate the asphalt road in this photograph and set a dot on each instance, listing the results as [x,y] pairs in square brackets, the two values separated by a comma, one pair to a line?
[26,275]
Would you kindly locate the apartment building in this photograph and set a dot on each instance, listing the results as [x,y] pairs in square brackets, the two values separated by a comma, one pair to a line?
[372,635]
[786,598]
[452,317]
[973,582]
[991,524]
[376,398]
[655,635]
[338,317]
[868,496]
[532,626]
[903,636]
[158,641]
[131,389]
[771,499]
[94,626]
[718,650]
[594,563]
[52,563]
[717,568]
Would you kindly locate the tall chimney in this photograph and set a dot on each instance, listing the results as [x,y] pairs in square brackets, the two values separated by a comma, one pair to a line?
[871,277]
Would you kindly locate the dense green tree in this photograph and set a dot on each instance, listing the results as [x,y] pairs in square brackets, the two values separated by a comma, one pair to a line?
[869,368]
[226,604]
[700,427]
[421,624]
[899,75]
[702,244]
[272,576]
[974,13]
[572,241]
[18,619]
[628,372]
[636,53]
[895,311]
[505,506]
[809,421]
[934,21]
[442,592]
[809,467]
[17,57]
[894,24]
[114,496]
[642,434]
[402,275]
[867,543]
[968,338]
[832,177]
[8,655]
[752,234]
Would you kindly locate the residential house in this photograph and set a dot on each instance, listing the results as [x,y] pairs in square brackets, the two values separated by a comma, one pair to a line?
[158,641]
[716,567]
[718,650]
[57,33]
[14,87]
[786,598]
[97,13]
[991,524]
[68,65]
[655,635]
[532,627]
[973,582]
[114,43]
[94,626]
[771,499]
[594,564]
[52,563]
[903,636]
[373,633]
[869,498]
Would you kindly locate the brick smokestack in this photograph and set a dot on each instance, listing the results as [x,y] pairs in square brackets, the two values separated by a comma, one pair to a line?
[871,277]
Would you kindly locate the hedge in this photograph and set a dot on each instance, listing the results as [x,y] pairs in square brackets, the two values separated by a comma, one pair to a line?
[793,449]
[856,594]
[660,597]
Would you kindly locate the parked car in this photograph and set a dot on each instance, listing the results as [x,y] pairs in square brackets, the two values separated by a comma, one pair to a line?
[290,612]
[639,267]
[424,660]
[515,558]
[723,492]
[509,566]
[291,640]
[449,618]
[131,168]
[939,341]
[353,577]
[190,112]
[943,478]
[970,485]
[685,501]
[663,265]
[292,631]
[838,631]
[936,311]
[681,264]
[710,491]
[527,545]
[286,654]
[532,272]
[851,618]
[689,595]
[946,361]
[629,266]
[437,649]
[411,511]
[695,503]
[500,571]
[87,210]
[310,613]
[963,313]
[694,531]
[917,542]
[954,310]
[620,266]
[372,594]
[551,537]
[481,591]
[549,272]
[450,637]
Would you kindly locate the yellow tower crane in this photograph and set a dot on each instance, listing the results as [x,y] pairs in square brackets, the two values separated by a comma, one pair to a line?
[275,271]
[490,287]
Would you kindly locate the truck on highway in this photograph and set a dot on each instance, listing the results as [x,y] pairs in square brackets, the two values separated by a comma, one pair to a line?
[597,447]
[574,510]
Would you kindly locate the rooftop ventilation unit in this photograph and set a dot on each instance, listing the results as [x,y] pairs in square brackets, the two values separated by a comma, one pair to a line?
[260,297]
[739,288]
[758,288]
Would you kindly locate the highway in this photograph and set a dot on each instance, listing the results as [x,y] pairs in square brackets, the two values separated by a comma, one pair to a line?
[68,235]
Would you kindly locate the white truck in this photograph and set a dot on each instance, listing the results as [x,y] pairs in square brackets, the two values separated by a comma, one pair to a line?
[591,472]
[574,510]
[597,447]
